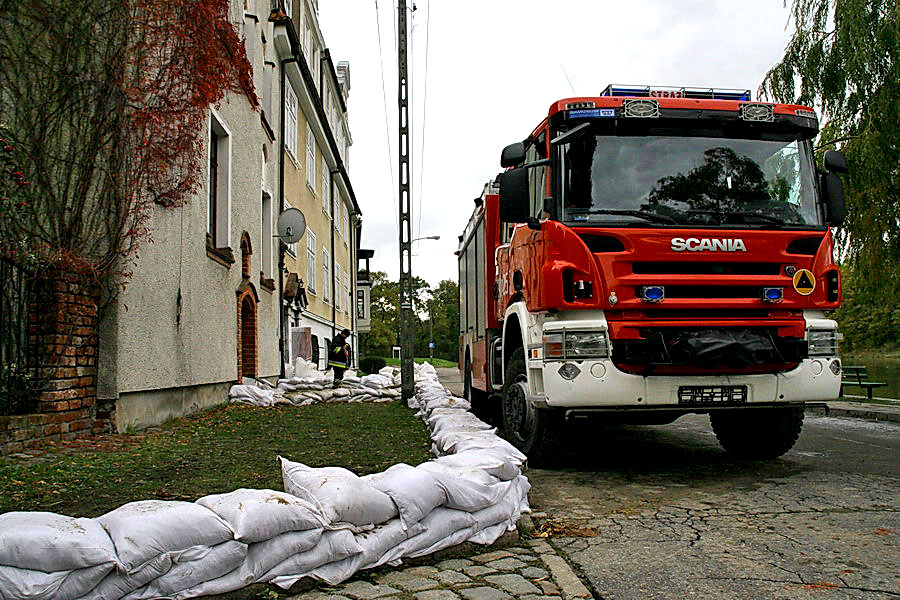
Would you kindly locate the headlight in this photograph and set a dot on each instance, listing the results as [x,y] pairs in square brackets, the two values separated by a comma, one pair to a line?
[822,342]
[575,345]
[586,344]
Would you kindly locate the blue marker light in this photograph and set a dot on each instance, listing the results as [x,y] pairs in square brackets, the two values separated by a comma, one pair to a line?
[773,294]
[653,293]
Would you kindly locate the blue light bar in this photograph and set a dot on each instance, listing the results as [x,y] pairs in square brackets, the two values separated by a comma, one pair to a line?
[633,91]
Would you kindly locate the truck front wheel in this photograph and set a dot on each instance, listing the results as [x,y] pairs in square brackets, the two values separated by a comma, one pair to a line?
[528,428]
[757,434]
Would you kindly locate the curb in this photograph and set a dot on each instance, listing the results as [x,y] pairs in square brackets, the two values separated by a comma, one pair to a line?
[869,412]
[569,584]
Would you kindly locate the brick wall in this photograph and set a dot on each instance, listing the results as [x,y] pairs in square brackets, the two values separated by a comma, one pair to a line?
[63,330]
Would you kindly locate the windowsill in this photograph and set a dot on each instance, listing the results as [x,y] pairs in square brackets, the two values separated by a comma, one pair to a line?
[292,157]
[268,284]
[223,256]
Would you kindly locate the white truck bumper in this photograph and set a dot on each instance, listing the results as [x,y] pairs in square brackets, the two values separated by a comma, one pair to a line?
[601,384]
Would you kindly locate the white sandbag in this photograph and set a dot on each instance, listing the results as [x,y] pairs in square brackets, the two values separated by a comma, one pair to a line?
[340,495]
[376,545]
[116,584]
[257,515]
[50,542]
[455,538]
[415,492]
[25,584]
[440,524]
[304,368]
[446,440]
[334,546]
[459,421]
[467,489]
[143,530]
[219,560]
[497,443]
[492,461]
[491,534]
[261,558]
[252,394]
[376,381]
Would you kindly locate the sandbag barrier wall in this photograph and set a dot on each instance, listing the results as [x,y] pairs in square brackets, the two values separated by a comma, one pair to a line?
[328,525]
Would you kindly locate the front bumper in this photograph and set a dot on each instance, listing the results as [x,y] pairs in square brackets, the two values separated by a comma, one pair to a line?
[600,384]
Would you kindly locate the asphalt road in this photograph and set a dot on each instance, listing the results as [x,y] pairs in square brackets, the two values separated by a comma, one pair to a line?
[661,512]
[666,514]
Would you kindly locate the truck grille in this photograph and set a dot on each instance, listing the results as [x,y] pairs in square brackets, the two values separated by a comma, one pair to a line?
[713,349]
[710,291]
[705,268]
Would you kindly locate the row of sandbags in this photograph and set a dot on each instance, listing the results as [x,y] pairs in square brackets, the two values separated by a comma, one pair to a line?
[309,386]
[328,524]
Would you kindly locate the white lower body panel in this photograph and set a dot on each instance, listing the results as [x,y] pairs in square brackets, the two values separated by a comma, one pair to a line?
[600,384]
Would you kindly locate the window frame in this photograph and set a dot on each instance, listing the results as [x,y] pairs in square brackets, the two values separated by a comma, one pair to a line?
[311,264]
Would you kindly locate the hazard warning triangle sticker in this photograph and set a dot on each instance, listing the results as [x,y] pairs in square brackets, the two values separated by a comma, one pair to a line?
[804,282]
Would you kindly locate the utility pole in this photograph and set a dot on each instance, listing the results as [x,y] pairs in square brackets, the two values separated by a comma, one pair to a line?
[406,290]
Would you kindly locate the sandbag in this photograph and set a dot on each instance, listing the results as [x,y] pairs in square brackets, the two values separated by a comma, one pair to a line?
[217,561]
[116,585]
[466,489]
[257,515]
[26,584]
[143,530]
[491,460]
[491,534]
[440,524]
[49,542]
[378,547]
[334,546]
[415,492]
[340,495]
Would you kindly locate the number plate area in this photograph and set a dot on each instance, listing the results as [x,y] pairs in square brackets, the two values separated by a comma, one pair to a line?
[707,394]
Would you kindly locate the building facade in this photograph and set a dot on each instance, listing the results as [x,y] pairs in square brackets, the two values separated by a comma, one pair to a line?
[211,299]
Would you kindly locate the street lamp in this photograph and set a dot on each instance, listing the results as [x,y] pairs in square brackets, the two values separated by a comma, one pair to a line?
[428,237]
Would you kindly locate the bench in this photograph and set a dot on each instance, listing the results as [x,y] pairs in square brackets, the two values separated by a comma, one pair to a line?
[859,376]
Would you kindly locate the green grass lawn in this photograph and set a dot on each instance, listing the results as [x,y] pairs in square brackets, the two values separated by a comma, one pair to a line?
[435,362]
[217,450]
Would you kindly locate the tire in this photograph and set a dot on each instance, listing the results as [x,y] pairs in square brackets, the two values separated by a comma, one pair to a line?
[530,429]
[757,434]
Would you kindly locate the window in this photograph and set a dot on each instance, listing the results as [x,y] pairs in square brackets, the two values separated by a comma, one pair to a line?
[360,304]
[345,223]
[310,159]
[337,286]
[347,293]
[310,262]
[219,184]
[269,74]
[326,196]
[266,235]
[290,119]
[288,7]
[326,280]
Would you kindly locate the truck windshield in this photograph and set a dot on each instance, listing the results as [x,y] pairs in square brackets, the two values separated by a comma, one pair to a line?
[693,181]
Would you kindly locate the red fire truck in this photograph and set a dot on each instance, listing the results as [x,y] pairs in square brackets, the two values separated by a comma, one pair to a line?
[653,252]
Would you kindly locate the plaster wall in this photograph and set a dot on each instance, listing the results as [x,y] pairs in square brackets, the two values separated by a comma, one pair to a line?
[139,410]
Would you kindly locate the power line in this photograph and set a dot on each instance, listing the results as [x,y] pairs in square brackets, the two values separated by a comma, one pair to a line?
[387,127]
[424,111]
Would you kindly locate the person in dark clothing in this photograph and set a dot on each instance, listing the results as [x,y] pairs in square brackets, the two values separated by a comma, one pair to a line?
[339,356]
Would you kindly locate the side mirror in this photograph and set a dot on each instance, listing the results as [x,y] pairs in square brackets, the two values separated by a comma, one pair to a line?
[835,162]
[514,200]
[833,197]
[513,155]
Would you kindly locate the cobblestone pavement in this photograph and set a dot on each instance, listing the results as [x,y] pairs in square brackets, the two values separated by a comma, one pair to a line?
[528,569]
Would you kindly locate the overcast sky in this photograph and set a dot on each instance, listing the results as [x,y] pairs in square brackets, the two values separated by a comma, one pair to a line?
[493,69]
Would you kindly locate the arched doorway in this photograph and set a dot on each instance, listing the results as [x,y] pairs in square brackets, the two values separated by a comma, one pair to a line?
[248,337]
[247,303]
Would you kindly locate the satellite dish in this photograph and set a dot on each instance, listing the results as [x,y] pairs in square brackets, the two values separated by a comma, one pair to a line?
[291,225]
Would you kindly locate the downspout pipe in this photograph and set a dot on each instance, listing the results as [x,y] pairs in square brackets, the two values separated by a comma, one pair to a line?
[334,284]
[282,247]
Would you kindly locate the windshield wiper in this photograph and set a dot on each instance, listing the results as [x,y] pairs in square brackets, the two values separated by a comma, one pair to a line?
[723,216]
[640,214]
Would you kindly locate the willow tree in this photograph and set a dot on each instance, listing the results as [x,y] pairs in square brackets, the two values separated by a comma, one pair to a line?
[844,59]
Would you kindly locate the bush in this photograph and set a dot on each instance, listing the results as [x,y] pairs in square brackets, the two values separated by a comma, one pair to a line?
[372,364]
